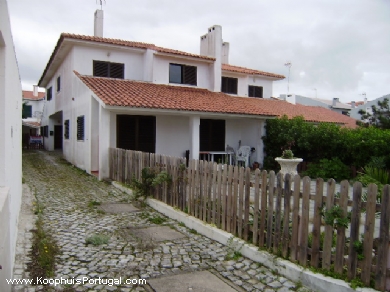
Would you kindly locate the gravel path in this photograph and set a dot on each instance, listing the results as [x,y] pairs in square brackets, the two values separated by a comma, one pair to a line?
[69,199]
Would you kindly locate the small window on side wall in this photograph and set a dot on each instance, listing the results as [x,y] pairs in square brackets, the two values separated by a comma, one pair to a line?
[49,93]
[66,126]
[182,74]
[80,128]
[255,91]
[229,85]
[58,83]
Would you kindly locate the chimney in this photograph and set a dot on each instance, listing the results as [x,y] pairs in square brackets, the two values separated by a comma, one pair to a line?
[365,100]
[211,45]
[291,98]
[225,53]
[353,104]
[98,23]
[35,90]
[335,101]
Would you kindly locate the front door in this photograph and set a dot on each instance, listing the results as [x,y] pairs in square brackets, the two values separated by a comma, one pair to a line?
[58,137]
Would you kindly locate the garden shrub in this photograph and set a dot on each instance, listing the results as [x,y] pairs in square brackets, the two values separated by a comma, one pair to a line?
[313,142]
[328,168]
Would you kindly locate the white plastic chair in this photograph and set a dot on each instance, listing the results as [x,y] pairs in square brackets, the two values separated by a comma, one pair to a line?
[243,154]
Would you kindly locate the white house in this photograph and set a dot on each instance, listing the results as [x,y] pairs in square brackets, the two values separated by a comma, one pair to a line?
[332,104]
[103,93]
[10,148]
[33,103]
[365,106]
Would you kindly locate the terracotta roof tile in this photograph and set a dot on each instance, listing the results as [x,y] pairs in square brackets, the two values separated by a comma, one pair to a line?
[136,94]
[244,70]
[31,124]
[27,94]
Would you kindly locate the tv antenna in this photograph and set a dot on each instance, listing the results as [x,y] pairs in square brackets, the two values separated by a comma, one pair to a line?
[101,3]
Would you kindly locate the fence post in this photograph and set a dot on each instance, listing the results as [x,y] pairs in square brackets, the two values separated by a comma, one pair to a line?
[383,248]
[327,248]
[354,234]
[315,247]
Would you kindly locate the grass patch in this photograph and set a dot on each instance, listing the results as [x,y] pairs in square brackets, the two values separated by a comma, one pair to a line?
[157,219]
[193,231]
[92,204]
[235,255]
[97,239]
[44,250]
[182,224]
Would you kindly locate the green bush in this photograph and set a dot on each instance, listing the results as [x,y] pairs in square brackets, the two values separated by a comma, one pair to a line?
[353,147]
[328,168]
[150,177]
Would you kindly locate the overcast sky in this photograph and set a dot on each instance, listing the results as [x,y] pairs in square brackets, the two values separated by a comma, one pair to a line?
[338,48]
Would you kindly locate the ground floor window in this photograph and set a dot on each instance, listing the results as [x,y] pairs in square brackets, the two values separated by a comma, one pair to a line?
[136,133]
[212,135]
[80,128]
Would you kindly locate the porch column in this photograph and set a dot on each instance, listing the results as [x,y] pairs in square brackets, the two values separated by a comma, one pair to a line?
[194,136]
[260,146]
[104,142]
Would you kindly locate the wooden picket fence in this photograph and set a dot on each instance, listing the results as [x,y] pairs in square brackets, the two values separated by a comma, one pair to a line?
[278,214]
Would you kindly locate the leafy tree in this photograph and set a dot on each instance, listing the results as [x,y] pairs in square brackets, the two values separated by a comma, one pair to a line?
[380,116]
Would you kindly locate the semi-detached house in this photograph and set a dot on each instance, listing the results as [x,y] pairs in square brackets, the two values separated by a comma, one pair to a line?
[103,93]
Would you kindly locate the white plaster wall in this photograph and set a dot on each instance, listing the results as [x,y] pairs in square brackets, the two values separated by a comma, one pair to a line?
[172,135]
[10,146]
[249,131]
[244,81]
[94,130]
[81,151]
[36,106]
[161,71]
[133,60]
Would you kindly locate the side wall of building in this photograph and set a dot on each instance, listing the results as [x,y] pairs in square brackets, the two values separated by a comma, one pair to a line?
[10,148]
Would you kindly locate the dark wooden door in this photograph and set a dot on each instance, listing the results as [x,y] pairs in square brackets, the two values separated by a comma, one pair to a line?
[58,137]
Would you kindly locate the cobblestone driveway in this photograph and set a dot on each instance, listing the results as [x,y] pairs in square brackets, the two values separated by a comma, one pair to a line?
[66,194]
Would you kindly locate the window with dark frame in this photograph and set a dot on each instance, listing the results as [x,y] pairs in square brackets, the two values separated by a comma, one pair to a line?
[66,126]
[46,131]
[27,111]
[80,128]
[58,83]
[136,133]
[229,85]
[49,93]
[182,74]
[108,69]
[255,91]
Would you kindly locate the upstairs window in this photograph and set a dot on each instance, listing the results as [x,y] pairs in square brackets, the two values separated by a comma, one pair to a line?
[58,83]
[49,93]
[26,111]
[255,91]
[108,69]
[66,126]
[80,128]
[182,74]
[229,85]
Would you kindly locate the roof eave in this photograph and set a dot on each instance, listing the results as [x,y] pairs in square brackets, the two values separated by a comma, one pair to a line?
[185,112]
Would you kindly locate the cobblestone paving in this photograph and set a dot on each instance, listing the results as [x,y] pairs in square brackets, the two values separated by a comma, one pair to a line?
[66,194]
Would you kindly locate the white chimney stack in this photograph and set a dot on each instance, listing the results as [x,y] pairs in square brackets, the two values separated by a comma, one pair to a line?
[98,24]
[35,90]
[335,101]
[211,45]
[353,104]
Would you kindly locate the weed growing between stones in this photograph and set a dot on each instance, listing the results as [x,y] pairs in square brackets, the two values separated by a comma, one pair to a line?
[92,204]
[44,251]
[156,219]
[234,250]
[193,231]
[97,239]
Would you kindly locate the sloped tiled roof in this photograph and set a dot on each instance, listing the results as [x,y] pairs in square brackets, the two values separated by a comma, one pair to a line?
[137,94]
[131,44]
[244,70]
[27,94]
[31,124]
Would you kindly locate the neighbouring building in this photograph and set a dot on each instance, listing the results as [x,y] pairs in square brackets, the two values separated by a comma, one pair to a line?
[103,92]
[332,104]
[33,103]
[10,148]
[365,106]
